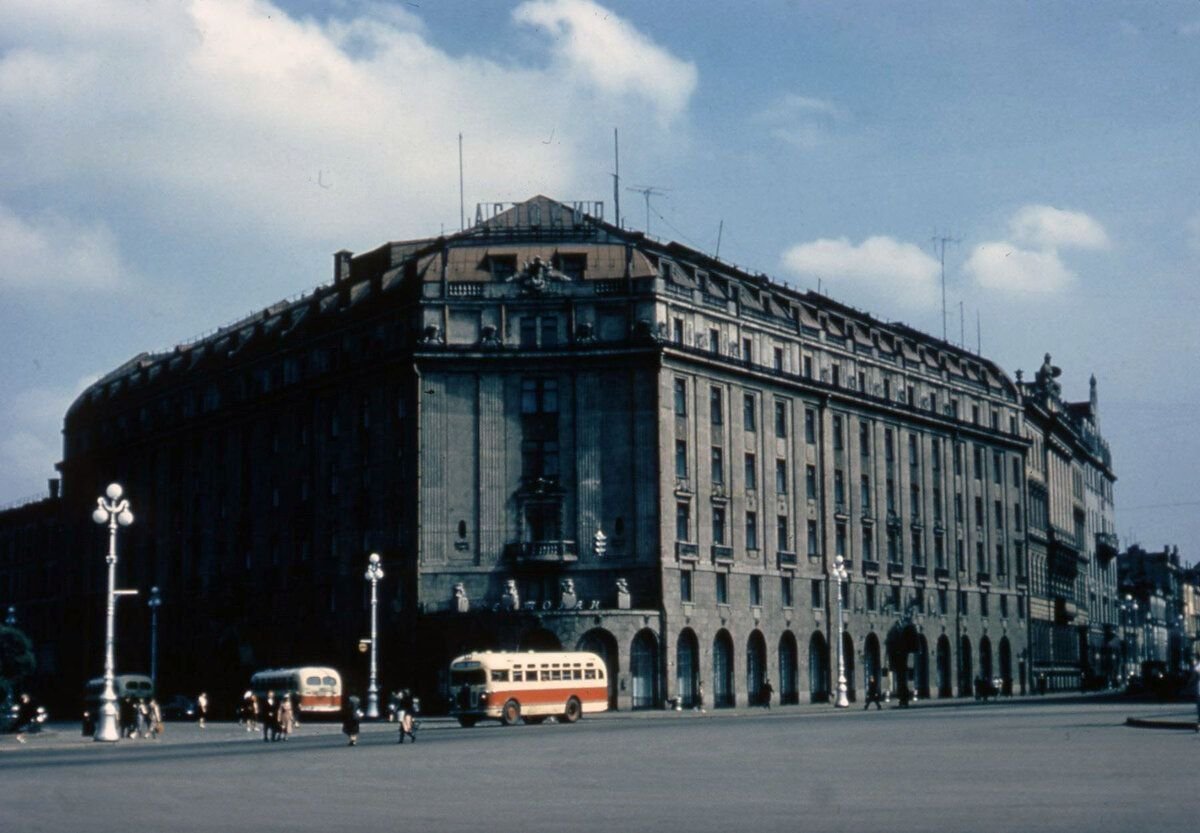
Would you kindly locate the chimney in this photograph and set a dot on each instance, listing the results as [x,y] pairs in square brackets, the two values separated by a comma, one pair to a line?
[54,484]
[341,265]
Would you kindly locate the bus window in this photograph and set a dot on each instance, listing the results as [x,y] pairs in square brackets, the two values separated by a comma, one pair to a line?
[576,674]
[518,675]
[473,676]
[589,674]
[330,681]
[312,681]
[531,676]
[500,675]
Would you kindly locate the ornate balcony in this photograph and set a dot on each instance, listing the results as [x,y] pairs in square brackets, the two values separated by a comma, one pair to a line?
[895,569]
[787,560]
[722,555]
[544,552]
[1107,546]
[685,551]
[983,578]
[919,571]
[941,574]
[870,568]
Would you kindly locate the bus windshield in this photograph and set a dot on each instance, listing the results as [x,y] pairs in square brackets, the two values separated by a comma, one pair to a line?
[473,676]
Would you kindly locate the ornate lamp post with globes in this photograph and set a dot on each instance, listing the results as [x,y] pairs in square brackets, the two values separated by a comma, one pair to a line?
[112,511]
[374,574]
[839,572]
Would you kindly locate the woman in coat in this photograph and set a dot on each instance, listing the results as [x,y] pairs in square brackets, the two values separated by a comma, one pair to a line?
[351,717]
[285,717]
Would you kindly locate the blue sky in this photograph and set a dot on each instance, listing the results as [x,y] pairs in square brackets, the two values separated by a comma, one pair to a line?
[167,167]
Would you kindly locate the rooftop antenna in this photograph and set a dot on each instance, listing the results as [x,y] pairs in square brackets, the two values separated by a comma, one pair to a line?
[720,230]
[462,212]
[617,178]
[978,334]
[647,191]
[940,241]
[962,327]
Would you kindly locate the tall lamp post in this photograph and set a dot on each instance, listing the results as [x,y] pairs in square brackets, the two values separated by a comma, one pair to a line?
[839,572]
[374,574]
[154,602]
[112,511]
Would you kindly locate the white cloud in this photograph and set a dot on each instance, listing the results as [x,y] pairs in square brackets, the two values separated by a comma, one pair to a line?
[53,254]
[1002,265]
[879,266]
[211,116]
[32,443]
[611,54]
[1046,227]
[801,121]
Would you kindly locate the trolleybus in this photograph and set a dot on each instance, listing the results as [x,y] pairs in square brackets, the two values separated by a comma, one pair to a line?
[314,689]
[532,685]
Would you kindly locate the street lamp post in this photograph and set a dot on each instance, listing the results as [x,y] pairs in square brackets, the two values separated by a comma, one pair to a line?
[839,572]
[374,574]
[112,511]
[154,602]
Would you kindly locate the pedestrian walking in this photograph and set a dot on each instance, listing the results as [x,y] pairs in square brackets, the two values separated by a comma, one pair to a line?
[351,719]
[873,694]
[699,706]
[268,717]
[284,717]
[407,717]
[766,692]
[26,716]
[127,716]
[202,708]
[156,721]
[143,718]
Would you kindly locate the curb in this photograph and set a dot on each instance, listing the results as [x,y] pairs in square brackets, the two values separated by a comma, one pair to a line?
[1143,723]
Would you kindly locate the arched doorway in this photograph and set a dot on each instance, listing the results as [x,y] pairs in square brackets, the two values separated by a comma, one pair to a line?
[966,685]
[601,642]
[687,667]
[871,661]
[945,672]
[643,670]
[722,670]
[921,668]
[789,692]
[818,668]
[848,666]
[1006,677]
[756,667]
[908,661]
[985,659]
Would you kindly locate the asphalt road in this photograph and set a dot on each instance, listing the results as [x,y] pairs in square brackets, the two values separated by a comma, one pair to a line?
[1052,766]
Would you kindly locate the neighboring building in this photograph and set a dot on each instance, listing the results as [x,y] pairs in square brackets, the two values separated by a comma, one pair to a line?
[1164,592]
[1073,545]
[559,432]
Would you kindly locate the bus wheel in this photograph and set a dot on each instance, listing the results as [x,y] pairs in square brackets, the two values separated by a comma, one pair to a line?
[510,715]
[466,721]
[574,710]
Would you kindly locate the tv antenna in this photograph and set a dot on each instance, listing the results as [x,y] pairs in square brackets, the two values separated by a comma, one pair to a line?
[939,242]
[648,191]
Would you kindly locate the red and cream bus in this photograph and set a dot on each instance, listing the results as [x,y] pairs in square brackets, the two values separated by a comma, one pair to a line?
[532,685]
[314,690]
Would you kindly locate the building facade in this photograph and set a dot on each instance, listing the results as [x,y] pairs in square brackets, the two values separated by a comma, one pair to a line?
[1160,594]
[559,432]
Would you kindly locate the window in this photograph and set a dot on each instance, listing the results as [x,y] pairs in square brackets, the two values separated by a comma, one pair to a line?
[889,449]
[839,490]
[979,512]
[812,538]
[785,591]
[838,440]
[939,551]
[868,543]
[686,578]
[810,482]
[722,588]
[958,508]
[960,557]
[913,444]
[810,426]
[549,331]
[716,406]
[751,472]
[818,596]
[914,506]
[997,467]
[836,371]
[677,330]
[539,396]
[1016,472]
[981,565]
[714,341]
[718,526]
[893,546]
[983,605]
[1017,517]
[808,367]
[748,350]
[749,421]
[781,476]
[1001,567]
[918,555]
[839,538]
[780,419]
[958,457]
[935,454]
[718,466]
[681,466]
[1003,606]
[683,522]
[864,439]
[778,360]
[871,601]
[1020,607]
[528,331]
[964,605]
[680,397]
[865,497]
[756,591]
[998,511]
[943,601]
[751,530]
[978,462]
[781,533]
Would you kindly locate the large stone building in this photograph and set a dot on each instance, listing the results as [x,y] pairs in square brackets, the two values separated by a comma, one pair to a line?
[1072,539]
[1161,602]
[560,432]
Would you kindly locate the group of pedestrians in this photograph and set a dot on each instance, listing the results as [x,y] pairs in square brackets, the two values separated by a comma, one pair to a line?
[140,718]
[277,716]
[402,708]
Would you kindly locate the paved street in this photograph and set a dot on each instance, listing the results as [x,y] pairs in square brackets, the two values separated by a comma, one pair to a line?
[1053,765]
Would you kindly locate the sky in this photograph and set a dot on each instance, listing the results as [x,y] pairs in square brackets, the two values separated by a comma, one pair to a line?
[169,166]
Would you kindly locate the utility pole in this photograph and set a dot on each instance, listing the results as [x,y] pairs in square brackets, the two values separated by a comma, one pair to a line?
[940,241]
[616,179]
[462,213]
[647,191]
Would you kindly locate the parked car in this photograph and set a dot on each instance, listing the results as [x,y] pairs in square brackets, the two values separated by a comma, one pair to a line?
[179,707]
[12,713]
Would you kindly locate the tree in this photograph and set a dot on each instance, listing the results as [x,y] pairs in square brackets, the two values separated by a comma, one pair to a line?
[17,662]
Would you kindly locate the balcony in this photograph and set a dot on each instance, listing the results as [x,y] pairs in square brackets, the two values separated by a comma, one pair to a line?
[841,510]
[685,551]
[941,574]
[722,554]
[919,572]
[787,560]
[870,568]
[1107,546]
[544,552]
[893,520]
[895,569]
[983,578]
